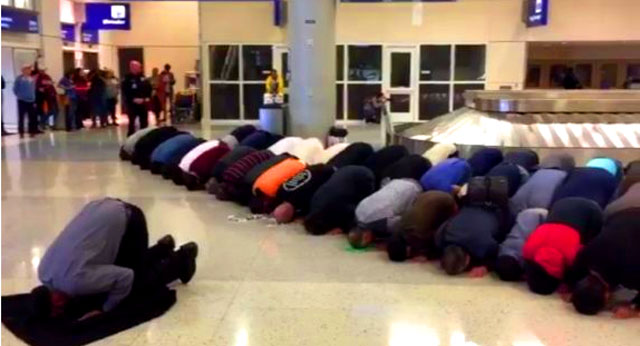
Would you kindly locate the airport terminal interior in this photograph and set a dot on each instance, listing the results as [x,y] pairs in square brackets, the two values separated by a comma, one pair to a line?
[330,172]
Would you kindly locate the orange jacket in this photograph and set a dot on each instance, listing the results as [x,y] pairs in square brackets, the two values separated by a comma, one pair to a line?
[269,182]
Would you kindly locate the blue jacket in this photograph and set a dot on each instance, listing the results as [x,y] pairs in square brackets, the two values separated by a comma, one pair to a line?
[168,150]
[443,176]
[25,88]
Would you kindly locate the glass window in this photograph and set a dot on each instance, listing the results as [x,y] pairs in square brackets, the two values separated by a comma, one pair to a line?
[400,70]
[470,63]
[26,4]
[253,97]
[608,76]
[458,93]
[340,62]
[224,62]
[633,71]
[225,101]
[365,63]
[257,62]
[435,63]
[583,73]
[434,100]
[358,95]
[556,75]
[5,2]
[400,103]
[534,72]
[286,73]
[339,101]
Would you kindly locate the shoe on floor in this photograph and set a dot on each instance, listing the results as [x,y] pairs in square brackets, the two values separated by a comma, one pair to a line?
[190,252]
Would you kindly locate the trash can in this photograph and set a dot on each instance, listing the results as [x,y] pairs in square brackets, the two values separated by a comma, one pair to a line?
[272,119]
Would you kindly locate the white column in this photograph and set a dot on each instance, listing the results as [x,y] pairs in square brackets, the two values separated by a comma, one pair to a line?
[312,91]
[50,36]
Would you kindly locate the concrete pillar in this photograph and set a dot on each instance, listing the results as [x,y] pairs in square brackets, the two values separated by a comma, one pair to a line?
[312,89]
[51,46]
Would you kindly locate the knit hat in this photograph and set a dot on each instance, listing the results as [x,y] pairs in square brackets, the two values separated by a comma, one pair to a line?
[608,164]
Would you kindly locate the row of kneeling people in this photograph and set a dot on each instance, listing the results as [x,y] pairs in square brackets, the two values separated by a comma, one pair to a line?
[549,222]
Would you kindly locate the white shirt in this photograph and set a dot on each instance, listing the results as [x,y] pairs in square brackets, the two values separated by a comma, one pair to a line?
[186,161]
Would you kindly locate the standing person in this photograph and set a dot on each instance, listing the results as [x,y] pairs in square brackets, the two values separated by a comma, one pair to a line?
[136,93]
[98,98]
[24,88]
[71,106]
[45,97]
[168,81]
[112,95]
[157,95]
[81,86]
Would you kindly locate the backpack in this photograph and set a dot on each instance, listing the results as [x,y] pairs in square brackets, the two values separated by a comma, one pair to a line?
[493,193]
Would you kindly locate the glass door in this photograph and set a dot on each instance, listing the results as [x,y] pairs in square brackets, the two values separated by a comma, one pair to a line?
[400,82]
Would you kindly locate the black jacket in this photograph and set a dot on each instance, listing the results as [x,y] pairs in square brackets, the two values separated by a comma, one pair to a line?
[147,144]
[299,189]
[135,86]
[614,253]
[475,229]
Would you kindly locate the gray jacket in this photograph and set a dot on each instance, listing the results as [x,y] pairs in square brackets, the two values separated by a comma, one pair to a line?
[526,222]
[81,260]
[538,191]
[387,205]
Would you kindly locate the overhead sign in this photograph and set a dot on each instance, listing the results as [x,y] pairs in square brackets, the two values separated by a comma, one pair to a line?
[537,13]
[108,16]
[19,20]
[68,32]
[89,36]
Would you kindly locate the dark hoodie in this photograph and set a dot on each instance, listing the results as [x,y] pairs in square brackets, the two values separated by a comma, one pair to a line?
[300,189]
[260,140]
[147,144]
[475,229]
[583,215]
[228,159]
[483,160]
[595,184]
[334,203]
[411,167]
[613,254]
[354,155]
[384,158]
[516,176]
[527,159]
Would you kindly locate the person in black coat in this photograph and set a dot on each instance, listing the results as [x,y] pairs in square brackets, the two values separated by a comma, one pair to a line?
[610,260]
[383,158]
[354,155]
[136,94]
[334,203]
[409,167]
[147,144]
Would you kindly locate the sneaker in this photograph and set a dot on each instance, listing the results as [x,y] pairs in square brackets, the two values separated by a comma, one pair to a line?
[190,252]
[168,241]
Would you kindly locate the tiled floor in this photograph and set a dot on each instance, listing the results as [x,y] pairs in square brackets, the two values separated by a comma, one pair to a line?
[262,284]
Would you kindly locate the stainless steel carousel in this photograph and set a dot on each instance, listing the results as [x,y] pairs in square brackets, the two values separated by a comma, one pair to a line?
[583,123]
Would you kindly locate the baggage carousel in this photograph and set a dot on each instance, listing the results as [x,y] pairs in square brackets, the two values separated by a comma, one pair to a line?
[583,123]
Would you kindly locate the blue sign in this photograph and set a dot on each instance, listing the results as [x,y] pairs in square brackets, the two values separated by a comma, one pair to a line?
[19,20]
[68,32]
[537,13]
[89,36]
[111,16]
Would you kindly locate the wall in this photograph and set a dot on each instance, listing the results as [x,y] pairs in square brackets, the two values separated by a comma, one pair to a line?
[593,51]
[167,31]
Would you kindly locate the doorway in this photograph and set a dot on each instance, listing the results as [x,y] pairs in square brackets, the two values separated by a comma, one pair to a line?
[90,61]
[400,80]
[126,55]
[68,61]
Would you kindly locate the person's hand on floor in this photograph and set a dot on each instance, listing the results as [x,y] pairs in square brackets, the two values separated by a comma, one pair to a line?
[623,312]
[89,315]
[478,272]
[565,293]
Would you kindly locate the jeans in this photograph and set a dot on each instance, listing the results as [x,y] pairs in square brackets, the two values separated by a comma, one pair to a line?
[28,108]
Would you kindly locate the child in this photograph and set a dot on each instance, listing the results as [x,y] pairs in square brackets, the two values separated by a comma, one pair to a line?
[419,225]
[379,215]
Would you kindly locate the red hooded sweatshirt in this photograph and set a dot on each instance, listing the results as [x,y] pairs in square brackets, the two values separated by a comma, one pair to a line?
[554,247]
